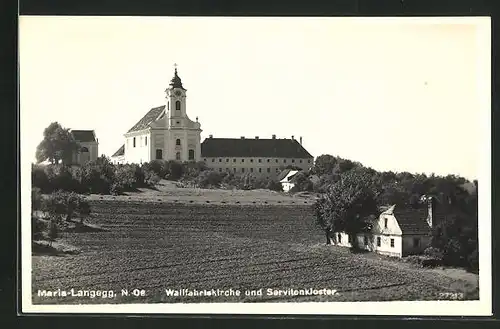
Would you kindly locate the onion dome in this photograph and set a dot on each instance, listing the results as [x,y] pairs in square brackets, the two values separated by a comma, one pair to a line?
[176,81]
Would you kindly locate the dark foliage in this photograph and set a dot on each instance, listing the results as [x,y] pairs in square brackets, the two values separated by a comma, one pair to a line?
[454,239]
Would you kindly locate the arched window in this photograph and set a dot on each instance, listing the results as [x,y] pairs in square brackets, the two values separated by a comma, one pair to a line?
[191,154]
[177,141]
[178,156]
[177,105]
[84,149]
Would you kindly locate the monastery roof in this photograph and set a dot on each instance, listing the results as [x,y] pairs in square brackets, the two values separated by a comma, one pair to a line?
[83,135]
[246,147]
[121,151]
[151,116]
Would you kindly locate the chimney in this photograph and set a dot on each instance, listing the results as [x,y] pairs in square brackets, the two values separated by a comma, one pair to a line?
[256,137]
[274,136]
[242,137]
[431,204]
[210,136]
[293,137]
[300,140]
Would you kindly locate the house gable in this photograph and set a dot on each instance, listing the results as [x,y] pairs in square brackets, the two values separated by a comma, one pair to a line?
[386,224]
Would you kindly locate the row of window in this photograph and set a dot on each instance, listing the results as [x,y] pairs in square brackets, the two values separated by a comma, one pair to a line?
[416,241]
[260,160]
[159,155]
[177,141]
[251,170]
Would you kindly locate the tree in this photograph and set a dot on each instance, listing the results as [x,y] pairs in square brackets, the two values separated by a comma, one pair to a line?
[347,205]
[324,164]
[302,182]
[57,144]
[65,205]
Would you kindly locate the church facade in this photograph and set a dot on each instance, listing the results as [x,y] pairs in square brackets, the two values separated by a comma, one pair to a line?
[164,133]
[167,133]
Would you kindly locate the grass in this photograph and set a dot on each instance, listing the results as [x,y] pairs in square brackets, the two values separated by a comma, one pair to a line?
[159,245]
[167,191]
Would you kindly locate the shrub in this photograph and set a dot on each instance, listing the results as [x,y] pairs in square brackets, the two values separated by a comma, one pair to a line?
[60,177]
[232,181]
[473,260]
[37,228]
[175,170]
[433,252]
[274,186]
[209,178]
[63,204]
[54,228]
[128,177]
[192,170]
[39,178]
[152,179]
[36,199]
[302,182]
[158,167]
[98,175]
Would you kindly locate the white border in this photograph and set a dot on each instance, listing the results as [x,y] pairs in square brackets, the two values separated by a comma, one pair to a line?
[483,307]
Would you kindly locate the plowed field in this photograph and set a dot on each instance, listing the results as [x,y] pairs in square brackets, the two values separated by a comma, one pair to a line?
[157,246]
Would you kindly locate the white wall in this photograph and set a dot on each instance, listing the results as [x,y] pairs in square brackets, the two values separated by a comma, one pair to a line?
[235,165]
[287,186]
[141,152]
[342,239]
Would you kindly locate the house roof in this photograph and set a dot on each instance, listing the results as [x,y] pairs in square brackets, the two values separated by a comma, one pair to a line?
[249,147]
[289,176]
[83,135]
[413,220]
[283,174]
[151,116]
[121,151]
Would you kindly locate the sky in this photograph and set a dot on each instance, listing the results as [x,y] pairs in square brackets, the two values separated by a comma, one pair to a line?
[394,94]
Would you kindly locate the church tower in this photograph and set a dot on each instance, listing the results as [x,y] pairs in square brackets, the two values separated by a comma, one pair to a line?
[183,139]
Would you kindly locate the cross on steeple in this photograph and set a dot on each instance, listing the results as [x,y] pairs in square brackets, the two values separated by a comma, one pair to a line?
[175,67]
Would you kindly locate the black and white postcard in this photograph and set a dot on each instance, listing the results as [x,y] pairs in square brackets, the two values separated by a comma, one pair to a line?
[246,165]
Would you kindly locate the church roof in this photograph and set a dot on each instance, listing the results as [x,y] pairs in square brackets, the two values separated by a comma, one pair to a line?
[176,81]
[151,116]
[243,147]
[121,151]
[83,135]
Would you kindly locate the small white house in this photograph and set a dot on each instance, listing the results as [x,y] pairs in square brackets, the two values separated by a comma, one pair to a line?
[119,156]
[398,231]
[287,182]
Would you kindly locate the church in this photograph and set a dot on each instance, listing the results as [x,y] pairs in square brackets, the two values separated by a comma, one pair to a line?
[167,133]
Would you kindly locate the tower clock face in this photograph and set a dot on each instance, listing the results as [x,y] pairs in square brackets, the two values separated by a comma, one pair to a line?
[178,93]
